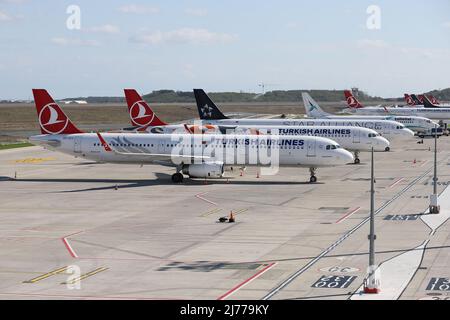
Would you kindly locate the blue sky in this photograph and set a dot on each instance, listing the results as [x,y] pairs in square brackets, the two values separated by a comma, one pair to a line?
[222,46]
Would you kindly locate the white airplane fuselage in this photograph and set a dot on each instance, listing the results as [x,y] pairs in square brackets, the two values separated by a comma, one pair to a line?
[348,137]
[391,130]
[429,113]
[294,151]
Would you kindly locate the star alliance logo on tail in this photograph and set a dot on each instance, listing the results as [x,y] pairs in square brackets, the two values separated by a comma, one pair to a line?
[207,110]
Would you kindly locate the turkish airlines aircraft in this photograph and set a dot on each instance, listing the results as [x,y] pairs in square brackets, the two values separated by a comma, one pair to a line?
[198,156]
[419,116]
[354,139]
[211,114]
[413,122]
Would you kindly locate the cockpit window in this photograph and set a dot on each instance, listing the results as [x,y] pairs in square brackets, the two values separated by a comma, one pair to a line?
[333,147]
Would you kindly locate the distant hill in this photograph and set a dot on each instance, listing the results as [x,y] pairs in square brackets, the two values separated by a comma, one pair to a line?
[441,95]
[171,96]
[271,96]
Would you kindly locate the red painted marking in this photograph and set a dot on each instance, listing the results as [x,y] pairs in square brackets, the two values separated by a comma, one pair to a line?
[396,182]
[349,214]
[68,246]
[244,283]
[104,143]
[200,196]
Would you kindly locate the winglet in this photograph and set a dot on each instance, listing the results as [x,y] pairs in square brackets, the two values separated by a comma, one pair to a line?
[104,143]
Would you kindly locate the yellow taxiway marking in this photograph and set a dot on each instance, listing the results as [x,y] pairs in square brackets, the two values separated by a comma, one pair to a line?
[33,160]
[46,275]
[210,212]
[240,211]
[84,276]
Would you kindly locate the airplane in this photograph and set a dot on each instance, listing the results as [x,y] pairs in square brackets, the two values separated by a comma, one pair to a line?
[428,103]
[210,114]
[415,123]
[354,139]
[409,100]
[420,115]
[196,155]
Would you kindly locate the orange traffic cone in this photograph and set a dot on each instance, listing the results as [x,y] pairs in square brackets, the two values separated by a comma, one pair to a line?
[231,219]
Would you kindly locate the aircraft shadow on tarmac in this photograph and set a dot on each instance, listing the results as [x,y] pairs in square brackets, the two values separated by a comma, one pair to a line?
[161,179]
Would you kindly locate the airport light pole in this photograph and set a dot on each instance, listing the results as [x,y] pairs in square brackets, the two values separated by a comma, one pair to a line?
[372,282]
[434,206]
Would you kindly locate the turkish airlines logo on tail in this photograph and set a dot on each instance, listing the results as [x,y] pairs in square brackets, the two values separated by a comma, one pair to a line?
[141,114]
[52,119]
[409,101]
[352,102]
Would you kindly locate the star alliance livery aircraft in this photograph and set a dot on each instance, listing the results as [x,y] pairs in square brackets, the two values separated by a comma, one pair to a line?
[195,155]
[210,114]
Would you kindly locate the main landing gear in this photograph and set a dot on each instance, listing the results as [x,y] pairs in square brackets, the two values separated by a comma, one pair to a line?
[178,176]
[313,178]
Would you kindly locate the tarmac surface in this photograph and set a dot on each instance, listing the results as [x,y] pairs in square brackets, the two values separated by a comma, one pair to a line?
[73,229]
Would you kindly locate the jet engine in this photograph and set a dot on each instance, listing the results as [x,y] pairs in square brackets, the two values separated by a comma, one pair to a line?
[204,170]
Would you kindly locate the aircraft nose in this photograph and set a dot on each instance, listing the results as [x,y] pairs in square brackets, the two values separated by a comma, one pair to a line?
[382,143]
[408,133]
[345,157]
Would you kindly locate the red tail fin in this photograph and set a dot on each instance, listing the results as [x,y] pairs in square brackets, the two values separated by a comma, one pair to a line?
[141,114]
[409,100]
[351,100]
[434,100]
[52,119]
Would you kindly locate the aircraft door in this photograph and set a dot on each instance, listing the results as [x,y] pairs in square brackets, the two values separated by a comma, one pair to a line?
[311,148]
[356,136]
[77,145]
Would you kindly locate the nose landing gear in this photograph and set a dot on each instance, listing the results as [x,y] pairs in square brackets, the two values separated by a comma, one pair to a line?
[357,160]
[313,178]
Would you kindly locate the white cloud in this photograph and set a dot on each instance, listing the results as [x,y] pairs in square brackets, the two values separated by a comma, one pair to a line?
[184,35]
[107,28]
[196,12]
[74,42]
[380,46]
[5,17]
[138,9]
